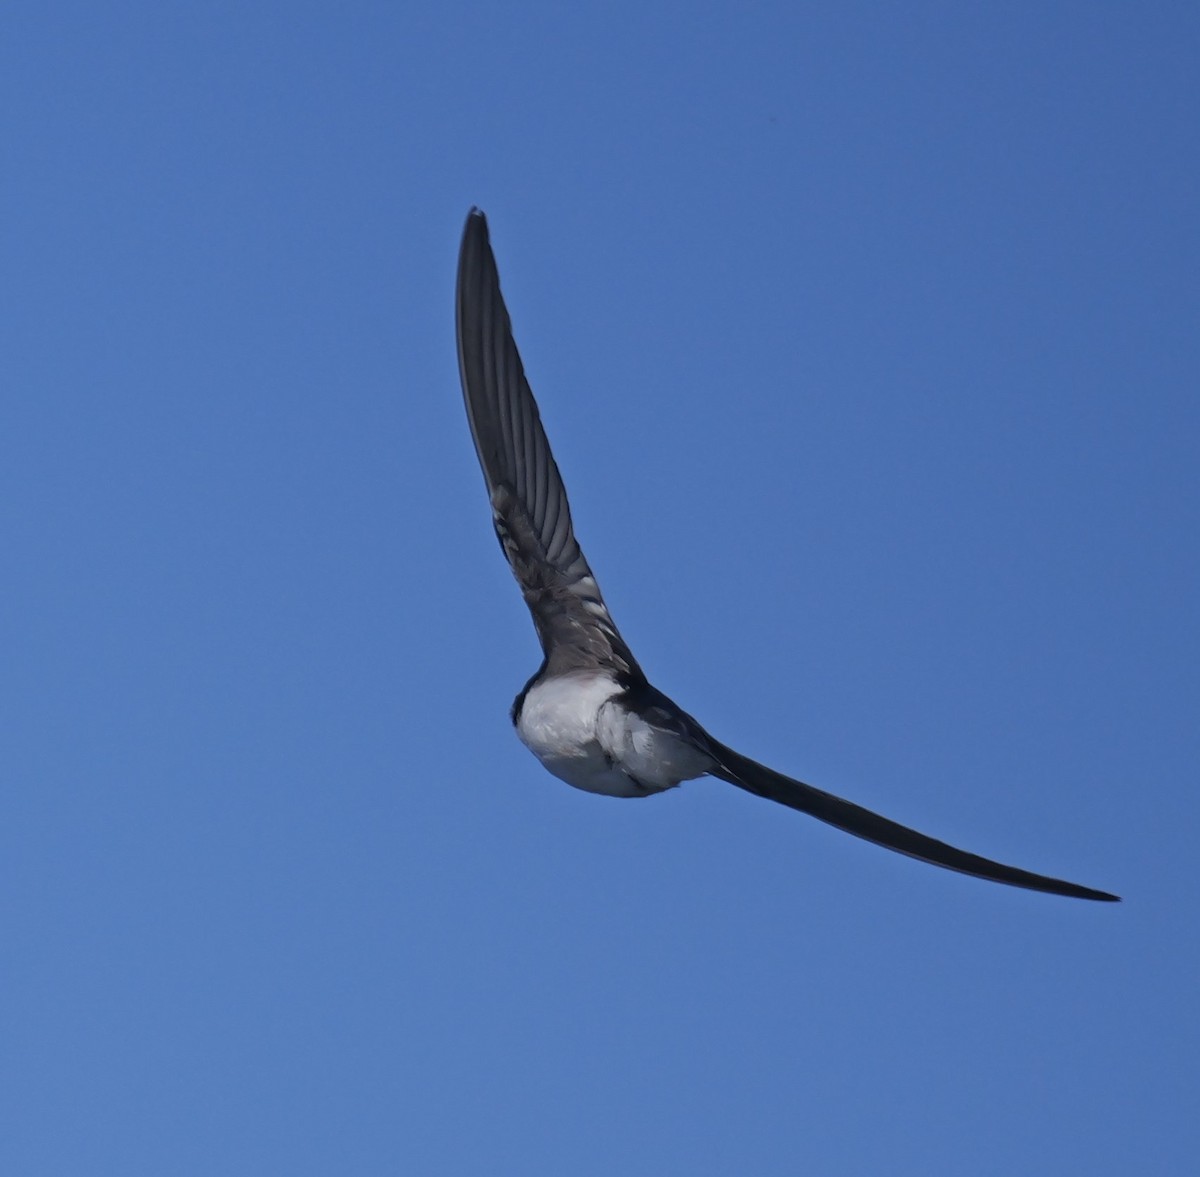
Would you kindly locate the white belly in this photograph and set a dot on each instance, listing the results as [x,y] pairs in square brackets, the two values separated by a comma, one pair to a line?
[572,725]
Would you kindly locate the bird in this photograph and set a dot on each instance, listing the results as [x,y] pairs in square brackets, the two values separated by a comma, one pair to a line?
[589,714]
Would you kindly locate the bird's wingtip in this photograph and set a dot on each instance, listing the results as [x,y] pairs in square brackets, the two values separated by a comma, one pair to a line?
[476,226]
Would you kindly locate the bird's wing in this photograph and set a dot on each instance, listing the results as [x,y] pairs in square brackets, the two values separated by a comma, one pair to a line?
[529,504]
[862,823]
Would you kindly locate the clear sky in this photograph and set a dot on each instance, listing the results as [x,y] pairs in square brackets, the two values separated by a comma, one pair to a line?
[867,340]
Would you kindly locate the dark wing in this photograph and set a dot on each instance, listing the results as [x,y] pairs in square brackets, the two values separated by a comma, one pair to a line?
[529,503]
[862,823]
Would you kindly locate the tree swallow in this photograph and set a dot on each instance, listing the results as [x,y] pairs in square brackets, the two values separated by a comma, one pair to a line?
[589,714]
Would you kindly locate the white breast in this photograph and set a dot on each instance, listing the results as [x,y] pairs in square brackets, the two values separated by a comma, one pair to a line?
[572,724]
[658,758]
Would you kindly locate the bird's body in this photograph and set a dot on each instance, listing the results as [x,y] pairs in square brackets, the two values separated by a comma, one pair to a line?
[589,714]
[583,730]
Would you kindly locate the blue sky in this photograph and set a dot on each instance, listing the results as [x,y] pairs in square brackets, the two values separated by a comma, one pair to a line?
[866,337]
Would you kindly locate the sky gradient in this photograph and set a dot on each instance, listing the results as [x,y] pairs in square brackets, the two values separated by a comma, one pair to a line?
[866,340]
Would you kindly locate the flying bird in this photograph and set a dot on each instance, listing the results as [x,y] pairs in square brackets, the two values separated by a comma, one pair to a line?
[589,714]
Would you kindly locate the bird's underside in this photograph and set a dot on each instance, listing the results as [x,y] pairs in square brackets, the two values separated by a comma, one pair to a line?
[589,714]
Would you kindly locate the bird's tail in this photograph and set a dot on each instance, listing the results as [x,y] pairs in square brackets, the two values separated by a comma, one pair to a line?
[862,823]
